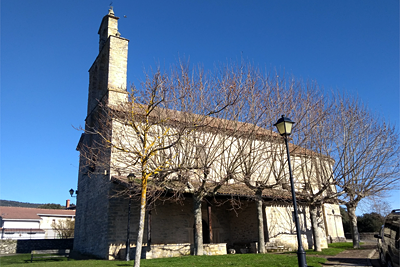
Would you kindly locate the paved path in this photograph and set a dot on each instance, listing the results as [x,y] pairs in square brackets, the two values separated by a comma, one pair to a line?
[365,257]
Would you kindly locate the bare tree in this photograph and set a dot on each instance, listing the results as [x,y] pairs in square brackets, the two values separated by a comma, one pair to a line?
[377,204]
[353,154]
[367,156]
[315,188]
[264,161]
[207,155]
[141,134]
[132,134]
[208,158]
[64,228]
[313,166]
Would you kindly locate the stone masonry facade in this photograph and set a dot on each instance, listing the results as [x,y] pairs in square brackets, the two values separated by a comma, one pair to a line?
[107,83]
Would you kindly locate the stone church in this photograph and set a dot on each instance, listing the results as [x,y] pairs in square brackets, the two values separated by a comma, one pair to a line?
[101,220]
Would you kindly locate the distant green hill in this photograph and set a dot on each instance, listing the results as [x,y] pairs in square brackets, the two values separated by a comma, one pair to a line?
[11,203]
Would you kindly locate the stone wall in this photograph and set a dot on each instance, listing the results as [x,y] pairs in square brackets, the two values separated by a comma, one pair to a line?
[171,223]
[117,224]
[333,222]
[363,236]
[25,246]
[290,241]
[173,250]
[168,250]
[244,224]
[282,229]
[91,227]
[367,236]
[107,82]
[214,249]
[8,246]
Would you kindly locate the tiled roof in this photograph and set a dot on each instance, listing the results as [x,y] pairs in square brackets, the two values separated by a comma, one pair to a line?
[22,230]
[20,213]
[239,190]
[243,190]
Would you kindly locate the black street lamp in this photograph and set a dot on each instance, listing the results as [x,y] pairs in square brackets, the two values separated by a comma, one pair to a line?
[284,126]
[131,178]
[72,191]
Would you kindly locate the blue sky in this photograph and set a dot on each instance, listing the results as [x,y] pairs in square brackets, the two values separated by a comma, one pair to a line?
[47,48]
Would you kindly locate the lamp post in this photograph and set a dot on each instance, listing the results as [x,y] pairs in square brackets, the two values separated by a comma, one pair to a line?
[284,126]
[131,178]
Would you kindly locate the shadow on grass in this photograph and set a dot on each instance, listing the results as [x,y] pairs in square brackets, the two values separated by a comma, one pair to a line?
[46,260]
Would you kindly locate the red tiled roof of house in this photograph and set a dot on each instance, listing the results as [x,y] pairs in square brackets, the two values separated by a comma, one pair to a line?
[22,230]
[21,213]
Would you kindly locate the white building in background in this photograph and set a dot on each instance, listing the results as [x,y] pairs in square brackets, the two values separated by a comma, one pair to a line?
[31,223]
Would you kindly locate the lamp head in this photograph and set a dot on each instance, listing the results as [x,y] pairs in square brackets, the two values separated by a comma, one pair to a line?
[131,177]
[71,192]
[284,126]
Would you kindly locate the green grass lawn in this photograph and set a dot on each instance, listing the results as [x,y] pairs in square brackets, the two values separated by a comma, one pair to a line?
[332,250]
[193,261]
[286,259]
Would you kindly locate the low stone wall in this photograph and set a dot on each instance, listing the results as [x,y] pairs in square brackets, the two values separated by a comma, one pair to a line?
[215,249]
[290,241]
[173,250]
[168,250]
[8,247]
[363,236]
[331,239]
[368,236]
[25,246]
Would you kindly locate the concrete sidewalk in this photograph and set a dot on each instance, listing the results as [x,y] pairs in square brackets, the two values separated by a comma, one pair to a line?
[368,256]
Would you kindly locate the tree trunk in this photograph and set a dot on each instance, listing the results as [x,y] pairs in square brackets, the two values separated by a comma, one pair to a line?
[351,210]
[198,226]
[261,241]
[315,229]
[139,241]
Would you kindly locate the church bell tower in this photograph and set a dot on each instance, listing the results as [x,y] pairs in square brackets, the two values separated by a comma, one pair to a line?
[107,85]
[107,76]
